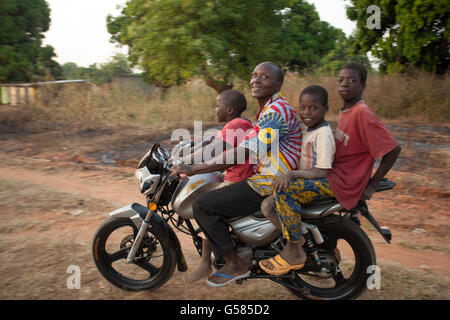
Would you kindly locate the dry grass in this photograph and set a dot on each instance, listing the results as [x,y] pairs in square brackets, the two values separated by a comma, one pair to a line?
[115,105]
[401,283]
[391,96]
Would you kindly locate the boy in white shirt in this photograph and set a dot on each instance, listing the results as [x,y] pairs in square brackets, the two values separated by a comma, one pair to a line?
[297,187]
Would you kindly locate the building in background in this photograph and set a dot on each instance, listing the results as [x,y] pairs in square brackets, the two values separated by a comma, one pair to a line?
[16,94]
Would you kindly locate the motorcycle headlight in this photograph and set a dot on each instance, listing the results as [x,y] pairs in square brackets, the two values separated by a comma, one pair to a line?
[147,182]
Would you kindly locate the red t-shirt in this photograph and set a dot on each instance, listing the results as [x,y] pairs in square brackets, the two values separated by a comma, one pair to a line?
[360,138]
[233,133]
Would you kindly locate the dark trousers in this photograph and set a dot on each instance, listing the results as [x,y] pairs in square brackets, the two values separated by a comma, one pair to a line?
[214,208]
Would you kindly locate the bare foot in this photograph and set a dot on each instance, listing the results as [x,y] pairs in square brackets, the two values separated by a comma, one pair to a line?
[202,271]
[205,265]
[293,253]
[233,267]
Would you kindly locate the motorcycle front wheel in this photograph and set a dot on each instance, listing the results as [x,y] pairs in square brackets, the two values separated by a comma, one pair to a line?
[350,251]
[155,260]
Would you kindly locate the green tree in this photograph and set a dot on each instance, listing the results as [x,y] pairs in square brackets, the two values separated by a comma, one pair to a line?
[103,73]
[70,71]
[22,27]
[220,40]
[118,66]
[46,66]
[305,38]
[332,62]
[412,33]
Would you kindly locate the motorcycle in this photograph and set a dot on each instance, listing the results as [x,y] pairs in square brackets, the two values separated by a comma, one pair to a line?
[137,249]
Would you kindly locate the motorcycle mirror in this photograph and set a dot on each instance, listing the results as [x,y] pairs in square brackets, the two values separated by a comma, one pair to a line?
[163,152]
[146,158]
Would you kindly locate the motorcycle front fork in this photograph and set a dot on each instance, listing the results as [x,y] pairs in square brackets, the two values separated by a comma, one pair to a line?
[140,236]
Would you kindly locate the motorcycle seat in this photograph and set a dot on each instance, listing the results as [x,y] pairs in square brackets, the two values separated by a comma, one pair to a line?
[320,201]
[258,215]
[318,208]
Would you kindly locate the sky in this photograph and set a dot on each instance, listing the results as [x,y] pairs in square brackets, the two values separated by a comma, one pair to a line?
[78,28]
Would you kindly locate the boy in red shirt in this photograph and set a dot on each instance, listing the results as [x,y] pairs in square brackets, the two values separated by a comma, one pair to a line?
[360,138]
[229,106]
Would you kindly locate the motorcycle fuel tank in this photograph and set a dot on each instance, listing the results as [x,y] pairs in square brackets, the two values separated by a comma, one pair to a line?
[190,189]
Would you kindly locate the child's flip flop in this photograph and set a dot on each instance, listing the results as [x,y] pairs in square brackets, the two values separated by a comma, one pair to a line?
[280,266]
[232,278]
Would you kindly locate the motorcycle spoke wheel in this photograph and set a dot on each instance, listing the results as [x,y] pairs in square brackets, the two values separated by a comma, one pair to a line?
[141,269]
[154,264]
[338,278]
[150,268]
[347,278]
[345,268]
[120,254]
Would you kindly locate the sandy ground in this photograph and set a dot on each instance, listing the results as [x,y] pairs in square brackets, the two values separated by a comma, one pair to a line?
[47,174]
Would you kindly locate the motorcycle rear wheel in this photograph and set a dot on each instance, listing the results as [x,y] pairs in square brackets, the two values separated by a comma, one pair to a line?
[155,263]
[347,284]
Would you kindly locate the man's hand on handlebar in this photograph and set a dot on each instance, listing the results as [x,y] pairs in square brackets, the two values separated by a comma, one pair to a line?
[181,169]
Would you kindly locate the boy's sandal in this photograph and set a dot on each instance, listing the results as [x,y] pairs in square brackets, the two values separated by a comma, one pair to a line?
[232,278]
[280,266]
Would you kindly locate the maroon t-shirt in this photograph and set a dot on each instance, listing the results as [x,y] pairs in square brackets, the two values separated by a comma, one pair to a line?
[233,133]
[360,138]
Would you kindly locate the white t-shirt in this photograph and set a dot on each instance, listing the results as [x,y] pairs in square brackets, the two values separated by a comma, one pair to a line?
[318,148]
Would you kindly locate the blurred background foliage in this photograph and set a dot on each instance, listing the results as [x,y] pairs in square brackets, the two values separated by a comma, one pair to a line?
[221,41]
[22,56]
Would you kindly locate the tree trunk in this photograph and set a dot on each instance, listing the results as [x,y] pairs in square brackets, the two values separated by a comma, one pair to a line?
[219,86]
[442,65]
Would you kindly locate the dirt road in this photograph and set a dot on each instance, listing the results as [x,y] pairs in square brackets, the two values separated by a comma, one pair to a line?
[47,176]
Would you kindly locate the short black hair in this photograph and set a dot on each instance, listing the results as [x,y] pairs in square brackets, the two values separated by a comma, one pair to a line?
[234,99]
[278,70]
[358,68]
[318,91]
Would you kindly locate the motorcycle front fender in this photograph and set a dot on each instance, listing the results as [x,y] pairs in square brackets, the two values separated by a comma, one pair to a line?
[133,211]
[137,214]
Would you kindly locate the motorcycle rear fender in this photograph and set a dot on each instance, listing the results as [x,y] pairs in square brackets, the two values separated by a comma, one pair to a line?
[137,214]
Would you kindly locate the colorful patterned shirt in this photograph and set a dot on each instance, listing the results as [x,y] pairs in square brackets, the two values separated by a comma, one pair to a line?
[275,142]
